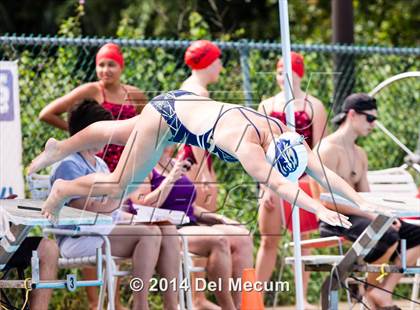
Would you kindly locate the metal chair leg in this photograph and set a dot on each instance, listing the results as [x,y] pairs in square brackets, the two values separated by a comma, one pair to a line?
[181,292]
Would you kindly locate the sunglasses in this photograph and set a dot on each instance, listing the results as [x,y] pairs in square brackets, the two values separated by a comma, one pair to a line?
[369,117]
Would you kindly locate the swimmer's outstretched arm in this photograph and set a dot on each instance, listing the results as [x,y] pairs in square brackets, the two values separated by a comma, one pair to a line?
[94,136]
[252,157]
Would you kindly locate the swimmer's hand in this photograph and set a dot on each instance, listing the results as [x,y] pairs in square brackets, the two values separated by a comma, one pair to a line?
[333,218]
[53,205]
[49,156]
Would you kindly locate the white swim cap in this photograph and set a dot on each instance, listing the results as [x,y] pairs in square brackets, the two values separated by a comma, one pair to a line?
[288,155]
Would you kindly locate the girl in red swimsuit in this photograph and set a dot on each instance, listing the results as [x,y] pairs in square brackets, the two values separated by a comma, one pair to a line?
[112,152]
[203,58]
[124,101]
[310,119]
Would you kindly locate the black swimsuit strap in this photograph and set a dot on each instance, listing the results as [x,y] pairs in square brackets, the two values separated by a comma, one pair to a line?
[268,118]
[180,92]
[217,120]
[253,125]
[242,112]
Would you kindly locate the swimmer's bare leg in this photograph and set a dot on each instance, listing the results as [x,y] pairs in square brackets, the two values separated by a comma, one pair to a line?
[94,136]
[142,152]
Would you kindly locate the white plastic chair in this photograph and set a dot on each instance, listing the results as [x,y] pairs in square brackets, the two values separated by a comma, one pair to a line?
[327,242]
[39,186]
[186,269]
[396,179]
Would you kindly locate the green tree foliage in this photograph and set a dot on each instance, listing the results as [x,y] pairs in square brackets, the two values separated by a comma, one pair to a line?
[376,22]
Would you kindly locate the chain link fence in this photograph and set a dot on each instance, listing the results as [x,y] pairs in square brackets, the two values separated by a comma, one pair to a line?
[50,67]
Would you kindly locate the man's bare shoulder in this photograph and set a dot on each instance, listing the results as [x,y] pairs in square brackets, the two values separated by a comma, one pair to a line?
[328,144]
[328,152]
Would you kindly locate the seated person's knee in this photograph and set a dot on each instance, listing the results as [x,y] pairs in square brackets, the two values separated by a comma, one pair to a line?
[220,242]
[154,235]
[243,244]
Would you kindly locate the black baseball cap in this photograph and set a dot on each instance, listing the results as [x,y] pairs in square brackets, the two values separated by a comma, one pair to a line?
[359,102]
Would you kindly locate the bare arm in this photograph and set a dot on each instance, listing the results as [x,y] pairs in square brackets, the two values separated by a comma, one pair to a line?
[95,184]
[266,107]
[137,97]
[51,113]
[145,196]
[252,157]
[319,124]
[333,162]
[207,217]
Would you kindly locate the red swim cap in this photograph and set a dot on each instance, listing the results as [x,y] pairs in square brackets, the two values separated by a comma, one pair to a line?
[110,51]
[298,65]
[201,54]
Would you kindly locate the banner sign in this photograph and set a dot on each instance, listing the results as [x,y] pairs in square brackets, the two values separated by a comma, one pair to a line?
[11,170]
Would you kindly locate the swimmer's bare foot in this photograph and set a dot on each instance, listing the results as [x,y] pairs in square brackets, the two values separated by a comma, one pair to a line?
[54,203]
[50,155]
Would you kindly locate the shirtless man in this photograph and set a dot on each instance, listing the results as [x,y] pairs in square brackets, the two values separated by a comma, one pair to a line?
[350,161]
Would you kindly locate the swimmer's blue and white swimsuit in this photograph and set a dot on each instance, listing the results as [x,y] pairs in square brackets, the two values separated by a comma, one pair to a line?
[165,105]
